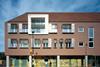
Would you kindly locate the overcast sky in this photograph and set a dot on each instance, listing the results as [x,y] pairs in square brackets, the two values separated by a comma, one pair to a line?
[12,8]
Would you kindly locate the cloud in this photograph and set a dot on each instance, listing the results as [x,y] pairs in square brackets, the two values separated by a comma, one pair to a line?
[12,8]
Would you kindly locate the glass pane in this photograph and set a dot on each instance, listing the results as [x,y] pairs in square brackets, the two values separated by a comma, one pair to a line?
[90,39]
[37,42]
[38,20]
[38,26]
[80,43]
[25,26]
[24,43]
[90,44]
[66,26]
[81,29]
[54,26]
[91,32]
[13,26]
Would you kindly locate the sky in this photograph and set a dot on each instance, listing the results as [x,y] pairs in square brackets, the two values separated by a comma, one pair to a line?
[12,8]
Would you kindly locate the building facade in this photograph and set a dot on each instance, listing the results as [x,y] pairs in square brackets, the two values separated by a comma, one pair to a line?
[53,40]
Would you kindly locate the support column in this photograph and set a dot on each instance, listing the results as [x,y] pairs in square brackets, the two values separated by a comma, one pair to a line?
[30,61]
[7,61]
[86,61]
[58,61]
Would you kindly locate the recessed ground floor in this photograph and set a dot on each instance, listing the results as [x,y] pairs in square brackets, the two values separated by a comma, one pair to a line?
[53,61]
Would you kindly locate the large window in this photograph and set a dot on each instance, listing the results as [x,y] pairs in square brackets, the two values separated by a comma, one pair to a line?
[24,43]
[91,37]
[68,28]
[38,25]
[37,43]
[12,43]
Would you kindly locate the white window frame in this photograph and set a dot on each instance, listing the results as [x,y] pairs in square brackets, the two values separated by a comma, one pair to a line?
[79,45]
[72,30]
[38,16]
[51,30]
[21,45]
[10,44]
[91,37]
[79,29]
[35,46]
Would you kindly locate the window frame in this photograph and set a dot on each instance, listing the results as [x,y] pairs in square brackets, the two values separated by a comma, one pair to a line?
[79,44]
[39,44]
[10,43]
[79,30]
[90,37]
[45,44]
[20,44]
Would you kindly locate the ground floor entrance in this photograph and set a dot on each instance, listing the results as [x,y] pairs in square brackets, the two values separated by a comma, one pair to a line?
[52,61]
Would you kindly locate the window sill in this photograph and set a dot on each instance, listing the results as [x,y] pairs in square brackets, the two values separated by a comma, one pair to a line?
[46,47]
[68,32]
[23,47]
[12,47]
[12,32]
[23,32]
[36,47]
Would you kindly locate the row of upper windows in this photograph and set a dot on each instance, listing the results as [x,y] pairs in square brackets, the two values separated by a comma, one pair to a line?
[45,43]
[48,43]
[23,28]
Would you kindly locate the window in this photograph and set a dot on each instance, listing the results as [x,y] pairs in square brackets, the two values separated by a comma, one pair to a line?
[45,43]
[53,28]
[81,44]
[25,28]
[24,43]
[69,43]
[91,37]
[12,43]
[37,43]
[68,28]
[61,43]
[55,43]
[38,24]
[12,28]
[80,29]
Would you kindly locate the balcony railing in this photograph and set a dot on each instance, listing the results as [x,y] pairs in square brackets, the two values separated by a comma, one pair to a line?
[12,45]
[36,45]
[23,46]
[67,30]
[23,31]
[53,31]
[39,31]
[12,31]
